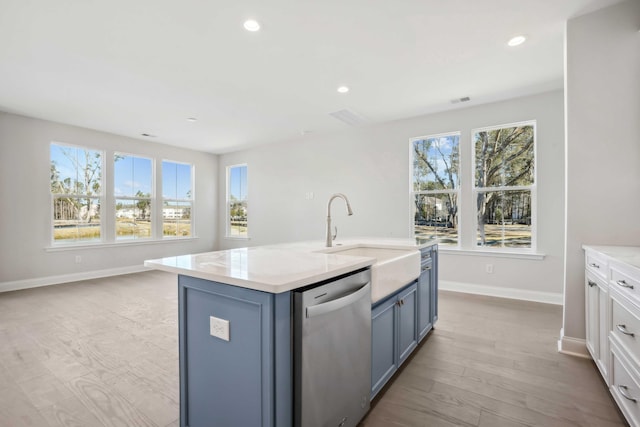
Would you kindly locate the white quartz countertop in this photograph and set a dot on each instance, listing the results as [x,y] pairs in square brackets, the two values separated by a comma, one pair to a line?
[629,255]
[277,268]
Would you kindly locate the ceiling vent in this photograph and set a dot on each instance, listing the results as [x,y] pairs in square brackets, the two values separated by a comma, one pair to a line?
[349,117]
[457,100]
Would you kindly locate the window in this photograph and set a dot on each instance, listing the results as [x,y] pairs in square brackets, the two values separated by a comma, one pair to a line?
[76,190]
[177,199]
[436,187]
[504,185]
[132,189]
[237,201]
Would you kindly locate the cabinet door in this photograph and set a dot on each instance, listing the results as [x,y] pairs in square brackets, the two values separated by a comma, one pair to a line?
[603,332]
[592,305]
[424,300]
[241,367]
[434,285]
[407,322]
[384,357]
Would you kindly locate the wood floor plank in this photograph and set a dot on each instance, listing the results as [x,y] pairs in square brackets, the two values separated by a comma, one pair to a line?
[599,408]
[69,412]
[16,410]
[106,404]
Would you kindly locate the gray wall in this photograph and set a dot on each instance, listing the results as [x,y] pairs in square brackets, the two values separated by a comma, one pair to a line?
[371,166]
[603,142]
[25,203]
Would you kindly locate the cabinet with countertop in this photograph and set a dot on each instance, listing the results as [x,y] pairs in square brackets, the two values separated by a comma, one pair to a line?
[244,375]
[612,304]
[402,320]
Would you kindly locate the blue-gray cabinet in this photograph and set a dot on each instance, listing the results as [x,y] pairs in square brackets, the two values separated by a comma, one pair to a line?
[384,350]
[245,381]
[427,291]
[394,334]
[402,320]
[407,322]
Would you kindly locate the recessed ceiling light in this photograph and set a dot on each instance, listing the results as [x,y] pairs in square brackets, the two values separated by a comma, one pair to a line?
[343,89]
[517,40]
[251,25]
[148,135]
[192,119]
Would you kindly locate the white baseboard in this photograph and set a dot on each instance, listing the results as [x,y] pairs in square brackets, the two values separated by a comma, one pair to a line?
[66,278]
[573,346]
[494,291]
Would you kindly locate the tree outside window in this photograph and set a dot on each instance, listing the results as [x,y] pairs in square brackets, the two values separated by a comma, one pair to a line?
[76,190]
[505,185]
[237,201]
[132,190]
[436,187]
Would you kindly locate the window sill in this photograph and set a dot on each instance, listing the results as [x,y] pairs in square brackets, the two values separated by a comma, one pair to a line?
[236,238]
[492,253]
[133,242]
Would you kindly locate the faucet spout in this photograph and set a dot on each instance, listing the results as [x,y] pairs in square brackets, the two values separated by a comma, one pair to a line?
[349,212]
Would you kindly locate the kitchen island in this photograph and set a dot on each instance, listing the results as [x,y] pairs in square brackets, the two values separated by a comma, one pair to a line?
[236,327]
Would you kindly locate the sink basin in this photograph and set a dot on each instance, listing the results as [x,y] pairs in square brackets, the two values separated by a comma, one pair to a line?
[394,267]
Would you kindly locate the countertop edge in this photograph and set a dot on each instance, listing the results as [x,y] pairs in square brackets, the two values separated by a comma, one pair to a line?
[628,256]
[262,286]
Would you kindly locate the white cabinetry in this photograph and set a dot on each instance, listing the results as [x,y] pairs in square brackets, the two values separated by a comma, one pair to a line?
[597,313]
[612,302]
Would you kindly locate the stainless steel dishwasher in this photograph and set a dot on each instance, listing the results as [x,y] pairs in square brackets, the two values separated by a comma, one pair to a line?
[332,358]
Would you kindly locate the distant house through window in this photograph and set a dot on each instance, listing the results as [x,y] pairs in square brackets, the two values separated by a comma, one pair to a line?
[177,199]
[504,185]
[76,191]
[237,201]
[436,187]
[490,205]
[133,189]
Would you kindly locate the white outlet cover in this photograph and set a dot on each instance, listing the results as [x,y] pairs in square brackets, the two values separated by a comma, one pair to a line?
[219,328]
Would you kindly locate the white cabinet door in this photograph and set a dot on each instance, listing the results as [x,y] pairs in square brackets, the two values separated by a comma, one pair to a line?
[592,310]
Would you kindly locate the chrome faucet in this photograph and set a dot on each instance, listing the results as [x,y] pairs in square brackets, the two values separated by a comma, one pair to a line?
[349,211]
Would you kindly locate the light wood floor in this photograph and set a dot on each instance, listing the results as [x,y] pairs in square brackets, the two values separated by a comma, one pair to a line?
[104,353]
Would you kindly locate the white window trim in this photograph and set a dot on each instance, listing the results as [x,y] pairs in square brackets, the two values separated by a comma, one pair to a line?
[132,242]
[101,197]
[162,199]
[227,218]
[413,193]
[151,199]
[532,188]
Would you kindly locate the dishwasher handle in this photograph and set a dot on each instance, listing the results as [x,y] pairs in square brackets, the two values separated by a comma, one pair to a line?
[336,304]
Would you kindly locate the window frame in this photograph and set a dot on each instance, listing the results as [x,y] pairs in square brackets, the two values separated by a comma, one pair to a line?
[101,197]
[457,191]
[192,201]
[227,226]
[531,188]
[151,199]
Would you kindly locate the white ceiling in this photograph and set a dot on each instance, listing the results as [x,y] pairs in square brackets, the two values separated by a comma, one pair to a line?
[144,66]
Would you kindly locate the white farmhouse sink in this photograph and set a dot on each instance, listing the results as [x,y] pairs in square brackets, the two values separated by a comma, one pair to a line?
[394,268]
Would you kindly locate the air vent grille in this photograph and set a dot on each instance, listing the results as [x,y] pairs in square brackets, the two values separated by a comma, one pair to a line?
[349,117]
[463,99]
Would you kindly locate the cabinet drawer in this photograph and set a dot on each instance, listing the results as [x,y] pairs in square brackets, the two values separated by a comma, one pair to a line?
[626,284]
[425,256]
[596,264]
[625,326]
[625,389]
